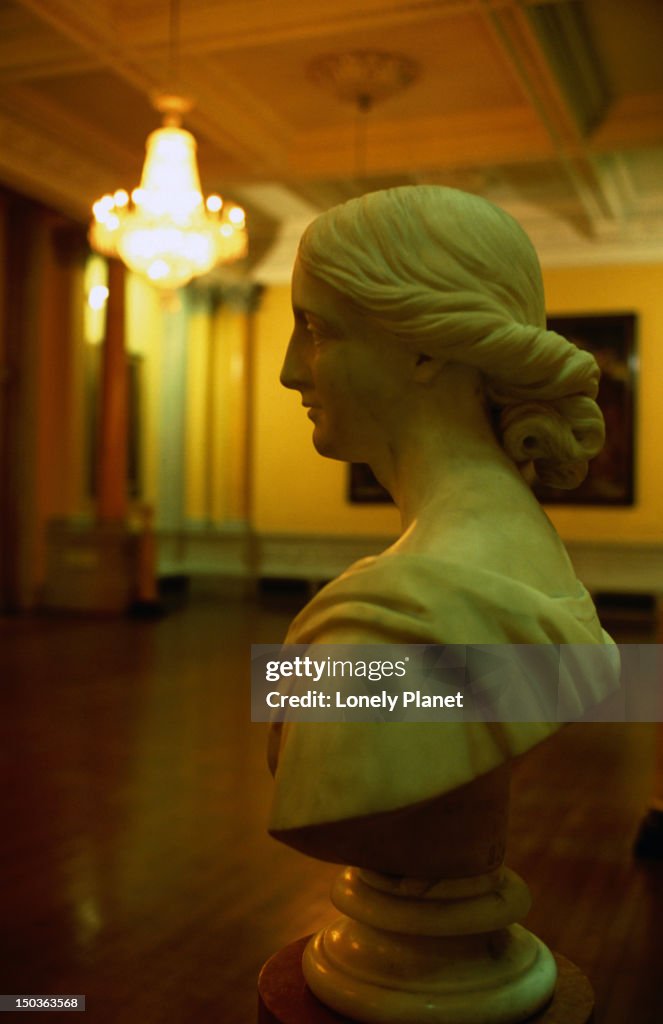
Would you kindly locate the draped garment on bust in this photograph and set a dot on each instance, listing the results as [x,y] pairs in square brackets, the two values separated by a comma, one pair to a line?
[331,771]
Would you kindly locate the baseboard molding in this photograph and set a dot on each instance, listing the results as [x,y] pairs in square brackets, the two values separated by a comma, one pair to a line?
[615,567]
[237,553]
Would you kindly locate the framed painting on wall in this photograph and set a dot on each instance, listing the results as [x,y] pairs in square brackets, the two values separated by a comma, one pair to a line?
[611,338]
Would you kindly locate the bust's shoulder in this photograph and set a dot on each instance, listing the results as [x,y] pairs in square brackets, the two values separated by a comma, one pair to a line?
[376,600]
[408,598]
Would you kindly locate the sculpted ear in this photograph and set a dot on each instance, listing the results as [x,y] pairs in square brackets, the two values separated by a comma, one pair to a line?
[426,368]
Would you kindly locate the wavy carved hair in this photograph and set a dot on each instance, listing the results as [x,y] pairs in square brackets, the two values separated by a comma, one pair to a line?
[458,279]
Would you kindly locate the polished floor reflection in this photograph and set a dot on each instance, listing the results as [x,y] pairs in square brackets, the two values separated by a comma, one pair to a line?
[134,865]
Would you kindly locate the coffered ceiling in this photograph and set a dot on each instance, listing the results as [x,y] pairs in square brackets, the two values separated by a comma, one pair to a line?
[552,108]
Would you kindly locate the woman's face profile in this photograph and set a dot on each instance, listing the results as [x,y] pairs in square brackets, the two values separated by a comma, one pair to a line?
[351,374]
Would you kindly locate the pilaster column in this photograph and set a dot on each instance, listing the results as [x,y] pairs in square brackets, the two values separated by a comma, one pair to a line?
[112,440]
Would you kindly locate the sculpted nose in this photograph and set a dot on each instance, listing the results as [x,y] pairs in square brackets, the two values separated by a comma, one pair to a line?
[294,372]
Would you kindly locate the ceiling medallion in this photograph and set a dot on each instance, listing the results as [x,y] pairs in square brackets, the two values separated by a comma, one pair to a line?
[363,77]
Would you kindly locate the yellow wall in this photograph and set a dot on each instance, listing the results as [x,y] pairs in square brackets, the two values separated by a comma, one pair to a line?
[228,425]
[215,441]
[144,334]
[294,489]
[297,491]
[196,497]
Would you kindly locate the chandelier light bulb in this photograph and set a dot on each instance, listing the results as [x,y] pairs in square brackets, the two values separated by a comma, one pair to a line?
[98,296]
[165,230]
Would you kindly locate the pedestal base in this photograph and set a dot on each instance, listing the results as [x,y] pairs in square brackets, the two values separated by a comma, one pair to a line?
[284,998]
[91,567]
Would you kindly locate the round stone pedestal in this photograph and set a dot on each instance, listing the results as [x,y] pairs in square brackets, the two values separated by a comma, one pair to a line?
[284,997]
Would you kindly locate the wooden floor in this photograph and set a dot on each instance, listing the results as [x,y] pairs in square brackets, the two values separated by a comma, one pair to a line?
[134,864]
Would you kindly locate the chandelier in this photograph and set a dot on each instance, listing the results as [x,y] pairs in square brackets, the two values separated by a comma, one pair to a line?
[163,229]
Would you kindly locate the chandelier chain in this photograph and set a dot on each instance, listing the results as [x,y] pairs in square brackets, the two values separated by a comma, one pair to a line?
[174,45]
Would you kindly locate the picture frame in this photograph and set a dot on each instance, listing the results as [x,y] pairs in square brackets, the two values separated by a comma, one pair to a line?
[612,340]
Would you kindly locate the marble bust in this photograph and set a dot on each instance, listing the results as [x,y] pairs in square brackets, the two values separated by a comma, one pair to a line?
[420,347]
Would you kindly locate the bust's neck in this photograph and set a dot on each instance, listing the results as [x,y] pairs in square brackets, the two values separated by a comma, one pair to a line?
[451,482]
[441,450]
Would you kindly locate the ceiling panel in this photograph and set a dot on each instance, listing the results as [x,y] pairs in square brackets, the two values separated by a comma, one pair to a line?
[552,107]
[104,100]
[449,53]
[628,37]
[28,47]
